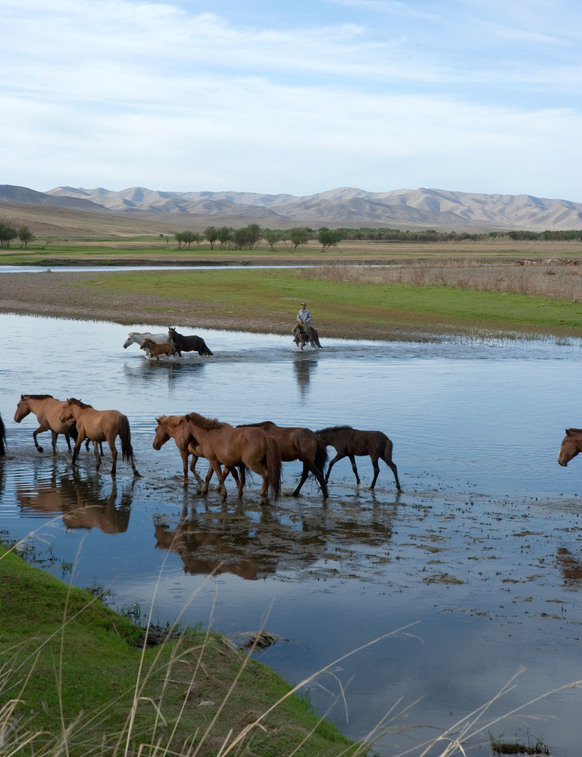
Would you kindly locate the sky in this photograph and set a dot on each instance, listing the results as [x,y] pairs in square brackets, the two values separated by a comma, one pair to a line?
[293,96]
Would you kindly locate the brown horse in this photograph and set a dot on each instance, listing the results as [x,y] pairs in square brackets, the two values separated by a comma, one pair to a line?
[223,444]
[99,426]
[571,445]
[155,350]
[297,443]
[48,413]
[174,427]
[350,442]
[304,334]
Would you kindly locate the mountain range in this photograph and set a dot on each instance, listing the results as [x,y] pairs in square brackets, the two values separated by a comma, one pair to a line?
[345,206]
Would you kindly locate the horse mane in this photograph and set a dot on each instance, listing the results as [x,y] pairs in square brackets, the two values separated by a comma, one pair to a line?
[172,420]
[208,424]
[82,405]
[334,428]
[37,396]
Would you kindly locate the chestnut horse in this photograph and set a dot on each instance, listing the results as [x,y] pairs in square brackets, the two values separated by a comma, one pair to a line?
[223,444]
[155,350]
[350,442]
[174,427]
[571,445]
[48,411]
[99,426]
[297,443]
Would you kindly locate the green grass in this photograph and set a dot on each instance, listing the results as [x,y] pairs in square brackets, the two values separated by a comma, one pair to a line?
[277,292]
[69,665]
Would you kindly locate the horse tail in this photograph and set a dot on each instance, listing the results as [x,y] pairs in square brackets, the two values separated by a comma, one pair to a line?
[125,436]
[2,438]
[320,454]
[273,467]
[204,350]
[387,450]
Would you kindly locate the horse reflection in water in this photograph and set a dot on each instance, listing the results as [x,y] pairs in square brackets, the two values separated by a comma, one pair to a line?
[221,544]
[81,503]
[2,438]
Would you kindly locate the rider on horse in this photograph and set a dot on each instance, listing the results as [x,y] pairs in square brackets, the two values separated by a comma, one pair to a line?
[303,321]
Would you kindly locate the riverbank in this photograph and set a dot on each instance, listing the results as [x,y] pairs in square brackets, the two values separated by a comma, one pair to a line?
[80,679]
[415,302]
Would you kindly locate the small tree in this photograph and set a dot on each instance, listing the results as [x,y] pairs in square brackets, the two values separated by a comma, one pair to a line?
[328,238]
[211,234]
[25,235]
[272,237]
[225,235]
[7,234]
[179,236]
[298,235]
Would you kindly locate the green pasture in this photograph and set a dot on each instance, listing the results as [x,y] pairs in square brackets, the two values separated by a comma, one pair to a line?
[276,293]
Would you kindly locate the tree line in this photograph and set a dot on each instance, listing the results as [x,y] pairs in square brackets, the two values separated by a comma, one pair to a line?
[248,237]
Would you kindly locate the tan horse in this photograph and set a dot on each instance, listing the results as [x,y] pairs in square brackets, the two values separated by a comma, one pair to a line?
[155,350]
[571,445]
[99,426]
[223,444]
[48,413]
[298,443]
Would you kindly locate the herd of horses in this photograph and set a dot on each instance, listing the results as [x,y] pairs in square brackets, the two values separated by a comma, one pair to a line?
[229,450]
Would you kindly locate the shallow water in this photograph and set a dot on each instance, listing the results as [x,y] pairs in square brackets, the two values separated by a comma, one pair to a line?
[479,557]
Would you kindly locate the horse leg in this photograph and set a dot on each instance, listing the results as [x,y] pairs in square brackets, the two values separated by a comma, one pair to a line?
[184,456]
[39,430]
[96,453]
[233,472]
[304,474]
[54,436]
[78,443]
[339,456]
[376,471]
[354,468]
[394,470]
[113,449]
[311,467]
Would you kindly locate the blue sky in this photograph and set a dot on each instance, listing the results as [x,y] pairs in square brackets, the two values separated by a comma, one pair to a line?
[295,97]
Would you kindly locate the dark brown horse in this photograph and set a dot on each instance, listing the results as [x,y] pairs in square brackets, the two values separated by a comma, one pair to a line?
[223,444]
[2,438]
[48,411]
[99,426]
[187,343]
[305,334]
[297,443]
[350,442]
[571,445]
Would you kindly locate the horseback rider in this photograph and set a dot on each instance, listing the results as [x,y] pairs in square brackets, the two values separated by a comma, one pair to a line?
[303,321]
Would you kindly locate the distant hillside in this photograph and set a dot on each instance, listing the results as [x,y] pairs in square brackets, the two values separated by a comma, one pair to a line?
[403,208]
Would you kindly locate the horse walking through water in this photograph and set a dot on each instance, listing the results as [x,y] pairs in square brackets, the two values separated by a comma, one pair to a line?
[187,343]
[250,446]
[48,413]
[351,442]
[571,446]
[2,438]
[155,350]
[306,335]
[137,337]
[298,443]
[100,426]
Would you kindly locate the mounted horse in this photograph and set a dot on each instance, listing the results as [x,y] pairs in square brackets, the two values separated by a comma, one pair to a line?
[571,446]
[99,426]
[351,442]
[155,350]
[48,412]
[187,343]
[304,334]
[221,443]
[297,443]
[137,337]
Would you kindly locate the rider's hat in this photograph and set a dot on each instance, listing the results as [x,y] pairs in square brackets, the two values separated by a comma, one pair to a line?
[303,303]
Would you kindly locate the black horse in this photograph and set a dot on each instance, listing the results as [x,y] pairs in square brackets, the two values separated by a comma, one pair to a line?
[349,442]
[183,343]
[2,438]
[303,335]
